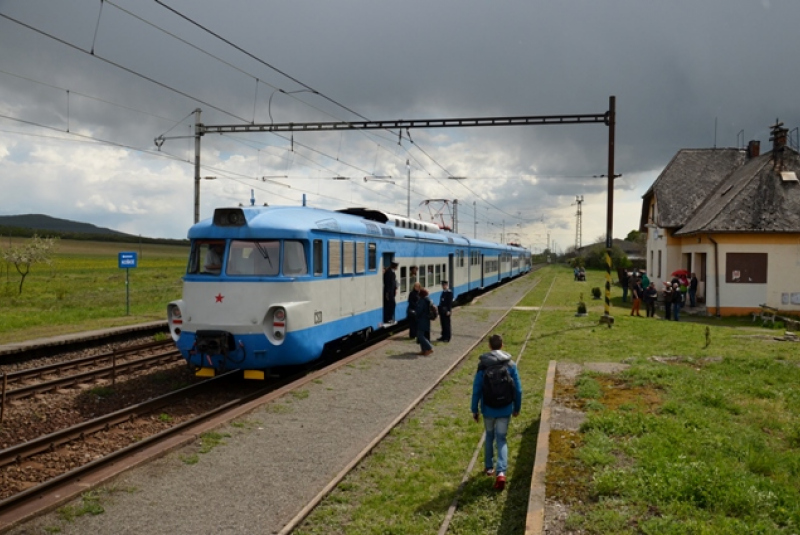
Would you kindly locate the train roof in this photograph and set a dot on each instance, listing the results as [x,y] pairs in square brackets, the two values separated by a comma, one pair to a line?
[249,222]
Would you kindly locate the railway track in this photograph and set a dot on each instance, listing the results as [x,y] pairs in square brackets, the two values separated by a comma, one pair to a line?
[35,380]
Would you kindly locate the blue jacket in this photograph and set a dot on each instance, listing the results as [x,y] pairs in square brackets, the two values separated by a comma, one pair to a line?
[488,359]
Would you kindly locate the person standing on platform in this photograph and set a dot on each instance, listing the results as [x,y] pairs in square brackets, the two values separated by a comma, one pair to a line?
[413,299]
[445,309]
[389,291]
[650,298]
[424,306]
[498,391]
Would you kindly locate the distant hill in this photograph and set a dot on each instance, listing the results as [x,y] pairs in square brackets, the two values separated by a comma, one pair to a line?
[45,222]
[29,224]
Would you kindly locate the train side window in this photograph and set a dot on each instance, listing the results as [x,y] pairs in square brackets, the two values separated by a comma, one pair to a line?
[430,275]
[438,274]
[403,279]
[422,276]
[348,258]
[360,253]
[444,273]
[334,257]
[372,257]
[206,258]
[294,258]
[318,269]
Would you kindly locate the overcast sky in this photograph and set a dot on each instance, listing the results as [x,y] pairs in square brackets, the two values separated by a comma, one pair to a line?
[85,91]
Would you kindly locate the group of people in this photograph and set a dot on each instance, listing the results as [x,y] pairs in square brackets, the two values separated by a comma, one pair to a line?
[675,292]
[496,388]
[419,316]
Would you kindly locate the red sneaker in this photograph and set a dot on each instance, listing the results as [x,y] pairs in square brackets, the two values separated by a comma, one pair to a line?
[500,482]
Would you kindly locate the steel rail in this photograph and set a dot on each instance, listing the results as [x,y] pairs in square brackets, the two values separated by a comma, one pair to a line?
[22,375]
[99,373]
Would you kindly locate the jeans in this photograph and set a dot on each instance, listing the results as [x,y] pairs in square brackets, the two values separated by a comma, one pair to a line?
[676,307]
[423,339]
[496,431]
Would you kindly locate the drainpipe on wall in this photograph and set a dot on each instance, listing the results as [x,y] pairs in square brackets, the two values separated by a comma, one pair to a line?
[716,272]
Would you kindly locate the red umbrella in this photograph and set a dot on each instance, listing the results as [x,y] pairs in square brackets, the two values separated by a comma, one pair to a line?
[679,272]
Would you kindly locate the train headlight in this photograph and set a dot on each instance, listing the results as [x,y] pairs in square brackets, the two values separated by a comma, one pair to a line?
[175,319]
[275,325]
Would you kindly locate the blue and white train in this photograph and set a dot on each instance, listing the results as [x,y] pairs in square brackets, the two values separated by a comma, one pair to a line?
[273,286]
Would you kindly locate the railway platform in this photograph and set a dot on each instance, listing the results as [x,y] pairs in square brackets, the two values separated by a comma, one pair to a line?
[73,339]
[280,456]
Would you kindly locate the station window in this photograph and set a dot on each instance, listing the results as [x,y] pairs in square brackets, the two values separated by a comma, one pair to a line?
[372,257]
[334,257]
[318,269]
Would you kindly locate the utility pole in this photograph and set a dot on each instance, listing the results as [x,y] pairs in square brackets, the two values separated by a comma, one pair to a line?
[454,226]
[408,198]
[475,217]
[197,133]
[578,227]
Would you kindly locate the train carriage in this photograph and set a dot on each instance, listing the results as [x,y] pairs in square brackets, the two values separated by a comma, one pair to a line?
[274,286]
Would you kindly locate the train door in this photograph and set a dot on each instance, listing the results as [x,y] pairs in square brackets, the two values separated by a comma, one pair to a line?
[452,272]
[482,272]
[389,287]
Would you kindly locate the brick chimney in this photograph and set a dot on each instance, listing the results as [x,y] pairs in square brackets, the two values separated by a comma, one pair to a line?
[753,149]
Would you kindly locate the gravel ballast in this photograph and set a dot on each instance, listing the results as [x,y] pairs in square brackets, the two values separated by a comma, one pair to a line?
[278,457]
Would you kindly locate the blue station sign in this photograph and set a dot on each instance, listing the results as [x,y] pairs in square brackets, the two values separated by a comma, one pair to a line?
[128,259]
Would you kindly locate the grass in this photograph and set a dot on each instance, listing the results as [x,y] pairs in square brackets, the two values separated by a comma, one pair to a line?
[649,462]
[84,289]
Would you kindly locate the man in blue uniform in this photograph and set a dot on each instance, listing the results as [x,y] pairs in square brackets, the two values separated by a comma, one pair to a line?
[445,308]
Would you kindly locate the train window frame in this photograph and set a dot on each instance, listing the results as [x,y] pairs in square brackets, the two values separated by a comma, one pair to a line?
[431,276]
[292,265]
[318,254]
[403,279]
[243,258]
[348,257]
[421,273]
[438,274]
[444,272]
[361,252]
[334,258]
[372,256]
[202,249]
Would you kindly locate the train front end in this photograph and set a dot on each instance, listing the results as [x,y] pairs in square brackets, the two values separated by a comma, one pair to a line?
[246,295]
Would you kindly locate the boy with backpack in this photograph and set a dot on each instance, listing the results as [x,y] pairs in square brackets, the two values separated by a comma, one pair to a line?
[498,391]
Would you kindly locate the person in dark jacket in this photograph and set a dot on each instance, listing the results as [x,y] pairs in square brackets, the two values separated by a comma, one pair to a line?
[667,301]
[495,420]
[389,291]
[650,298]
[677,301]
[424,323]
[411,314]
[693,291]
[445,309]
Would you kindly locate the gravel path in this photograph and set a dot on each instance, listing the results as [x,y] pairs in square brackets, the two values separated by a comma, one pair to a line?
[282,454]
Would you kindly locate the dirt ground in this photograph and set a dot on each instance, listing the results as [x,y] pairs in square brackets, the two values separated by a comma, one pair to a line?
[565,477]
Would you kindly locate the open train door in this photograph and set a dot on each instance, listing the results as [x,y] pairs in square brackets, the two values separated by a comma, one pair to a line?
[451,273]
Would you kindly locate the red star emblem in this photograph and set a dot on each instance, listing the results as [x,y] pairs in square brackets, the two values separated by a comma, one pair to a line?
[219,298]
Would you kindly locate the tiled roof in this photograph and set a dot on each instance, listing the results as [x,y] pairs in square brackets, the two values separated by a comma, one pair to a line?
[753,199]
[686,182]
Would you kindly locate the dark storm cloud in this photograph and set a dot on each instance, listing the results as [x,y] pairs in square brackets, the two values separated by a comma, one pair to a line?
[684,73]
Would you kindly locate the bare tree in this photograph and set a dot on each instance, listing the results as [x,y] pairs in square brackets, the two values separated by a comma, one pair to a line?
[36,251]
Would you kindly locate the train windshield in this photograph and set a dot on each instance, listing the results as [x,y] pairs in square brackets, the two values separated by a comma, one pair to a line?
[260,258]
[207,257]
